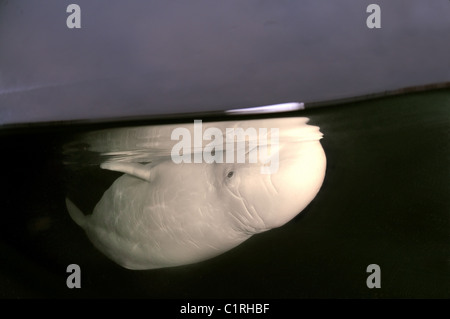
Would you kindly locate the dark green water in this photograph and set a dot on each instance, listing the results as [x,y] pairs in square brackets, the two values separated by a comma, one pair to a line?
[384,201]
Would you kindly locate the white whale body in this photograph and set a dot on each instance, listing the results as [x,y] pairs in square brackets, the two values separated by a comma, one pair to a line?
[162,214]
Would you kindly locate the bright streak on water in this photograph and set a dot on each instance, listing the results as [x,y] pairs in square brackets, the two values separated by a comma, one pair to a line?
[275,108]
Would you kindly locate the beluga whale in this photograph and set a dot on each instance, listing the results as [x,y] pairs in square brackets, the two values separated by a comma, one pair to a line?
[192,191]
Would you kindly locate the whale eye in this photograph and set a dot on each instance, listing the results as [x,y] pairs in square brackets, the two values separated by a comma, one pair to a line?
[230,174]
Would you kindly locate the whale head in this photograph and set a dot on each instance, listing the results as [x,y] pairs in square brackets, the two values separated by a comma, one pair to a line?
[264,200]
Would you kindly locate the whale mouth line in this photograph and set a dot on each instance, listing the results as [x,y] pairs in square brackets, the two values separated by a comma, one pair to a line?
[248,218]
[255,217]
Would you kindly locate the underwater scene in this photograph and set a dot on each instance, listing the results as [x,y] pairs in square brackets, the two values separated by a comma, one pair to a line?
[354,189]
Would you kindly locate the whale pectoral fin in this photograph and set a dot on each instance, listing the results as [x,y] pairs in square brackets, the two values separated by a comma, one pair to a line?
[76,214]
[138,170]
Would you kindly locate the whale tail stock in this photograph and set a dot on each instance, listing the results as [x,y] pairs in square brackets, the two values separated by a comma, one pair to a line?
[75,213]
